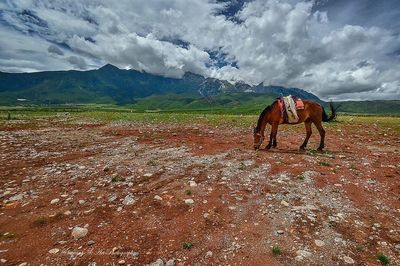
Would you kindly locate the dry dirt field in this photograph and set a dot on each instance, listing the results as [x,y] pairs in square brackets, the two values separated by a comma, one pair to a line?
[86,192]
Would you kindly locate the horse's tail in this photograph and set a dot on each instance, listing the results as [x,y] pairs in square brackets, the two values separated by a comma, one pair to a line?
[325,117]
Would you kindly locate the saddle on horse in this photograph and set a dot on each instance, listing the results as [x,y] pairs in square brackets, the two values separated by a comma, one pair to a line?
[289,106]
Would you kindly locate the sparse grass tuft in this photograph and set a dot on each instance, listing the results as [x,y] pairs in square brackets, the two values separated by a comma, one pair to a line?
[276,250]
[118,179]
[301,177]
[323,163]
[383,259]
[151,163]
[189,192]
[242,166]
[187,245]
[8,236]
[360,248]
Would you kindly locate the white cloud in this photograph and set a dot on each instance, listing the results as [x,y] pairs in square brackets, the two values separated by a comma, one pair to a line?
[278,42]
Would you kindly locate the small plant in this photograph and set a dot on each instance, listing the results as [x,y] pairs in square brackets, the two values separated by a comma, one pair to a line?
[242,166]
[360,248]
[383,259]
[323,163]
[301,177]
[151,163]
[276,250]
[187,245]
[118,179]
[189,192]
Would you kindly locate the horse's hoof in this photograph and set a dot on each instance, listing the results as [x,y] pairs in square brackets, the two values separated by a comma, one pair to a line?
[302,148]
[320,149]
[268,147]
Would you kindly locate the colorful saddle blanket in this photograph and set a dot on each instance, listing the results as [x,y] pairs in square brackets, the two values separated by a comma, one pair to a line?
[289,106]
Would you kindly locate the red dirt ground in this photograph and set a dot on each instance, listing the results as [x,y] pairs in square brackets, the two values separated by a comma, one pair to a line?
[245,202]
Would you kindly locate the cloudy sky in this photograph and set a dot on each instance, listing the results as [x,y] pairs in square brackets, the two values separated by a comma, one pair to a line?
[337,49]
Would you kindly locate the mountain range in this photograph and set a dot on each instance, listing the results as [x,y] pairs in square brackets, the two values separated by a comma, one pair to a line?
[144,91]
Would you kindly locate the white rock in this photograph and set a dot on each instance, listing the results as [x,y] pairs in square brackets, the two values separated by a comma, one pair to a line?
[303,253]
[319,243]
[3,260]
[192,183]
[54,201]
[121,262]
[209,254]
[79,232]
[54,251]
[81,202]
[128,200]
[158,262]
[15,198]
[67,213]
[189,201]
[170,263]
[23,264]
[284,203]
[348,260]
[299,258]
[156,197]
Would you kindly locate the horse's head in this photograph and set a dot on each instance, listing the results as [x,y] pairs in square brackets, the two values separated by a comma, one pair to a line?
[258,139]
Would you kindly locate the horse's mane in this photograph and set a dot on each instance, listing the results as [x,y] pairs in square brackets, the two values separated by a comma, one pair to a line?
[261,117]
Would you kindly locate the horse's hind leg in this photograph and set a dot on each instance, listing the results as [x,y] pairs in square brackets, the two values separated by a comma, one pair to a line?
[308,132]
[321,131]
[272,136]
[274,143]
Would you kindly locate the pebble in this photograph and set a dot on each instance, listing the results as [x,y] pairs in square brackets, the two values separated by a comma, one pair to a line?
[23,264]
[319,243]
[397,246]
[280,232]
[3,260]
[128,200]
[158,262]
[170,263]
[189,201]
[16,197]
[81,202]
[91,242]
[54,251]
[54,201]
[121,262]
[303,253]
[348,260]
[284,203]
[192,183]
[156,197]
[67,213]
[209,254]
[79,232]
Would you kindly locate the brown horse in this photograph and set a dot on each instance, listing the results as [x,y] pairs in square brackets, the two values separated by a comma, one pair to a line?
[312,113]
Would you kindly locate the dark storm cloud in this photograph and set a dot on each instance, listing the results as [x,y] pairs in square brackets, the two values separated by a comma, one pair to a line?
[55,50]
[336,49]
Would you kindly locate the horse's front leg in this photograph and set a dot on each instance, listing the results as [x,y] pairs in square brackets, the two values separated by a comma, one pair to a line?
[272,136]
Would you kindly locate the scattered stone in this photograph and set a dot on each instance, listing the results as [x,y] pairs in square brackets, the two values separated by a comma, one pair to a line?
[16,197]
[54,251]
[209,254]
[299,258]
[170,263]
[303,253]
[158,262]
[67,213]
[192,183]
[280,232]
[128,200]
[121,262]
[156,197]
[189,201]
[91,242]
[81,202]
[23,264]
[3,260]
[397,246]
[348,260]
[319,243]
[284,203]
[79,232]
[54,201]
